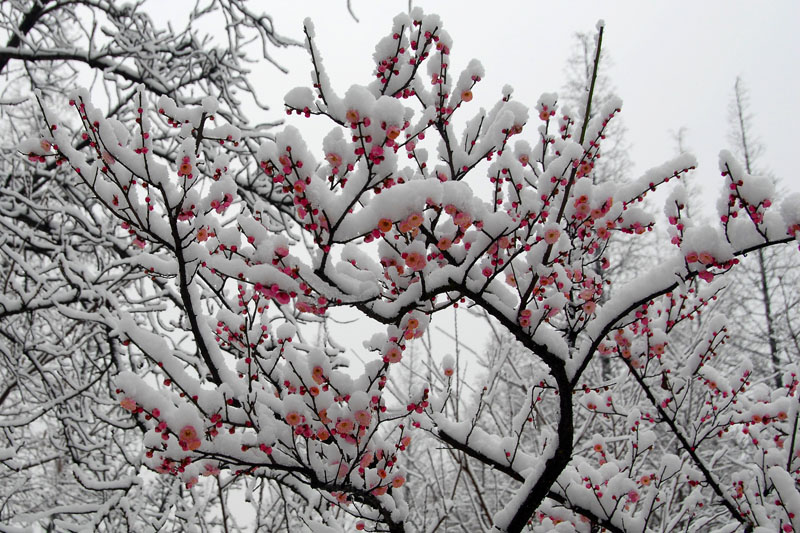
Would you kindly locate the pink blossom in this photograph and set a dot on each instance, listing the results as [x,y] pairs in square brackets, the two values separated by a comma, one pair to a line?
[363,417]
[551,235]
[345,426]
[705,258]
[706,276]
[584,169]
[210,469]
[352,116]
[394,355]
[334,159]
[293,418]
[415,220]
[188,438]
[385,225]
[376,152]
[129,404]
[582,210]
[366,460]
[185,170]
[415,261]
[462,220]
[187,433]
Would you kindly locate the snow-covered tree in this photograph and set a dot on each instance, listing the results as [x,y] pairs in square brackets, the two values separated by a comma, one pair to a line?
[63,457]
[766,288]
[230,384]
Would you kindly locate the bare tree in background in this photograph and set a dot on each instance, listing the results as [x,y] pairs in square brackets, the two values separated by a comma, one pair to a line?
[60,255]
[766,288]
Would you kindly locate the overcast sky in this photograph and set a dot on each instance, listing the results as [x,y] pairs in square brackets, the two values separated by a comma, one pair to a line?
[674,63]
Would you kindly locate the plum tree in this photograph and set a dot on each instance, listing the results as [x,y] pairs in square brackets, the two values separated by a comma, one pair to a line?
[227,383]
